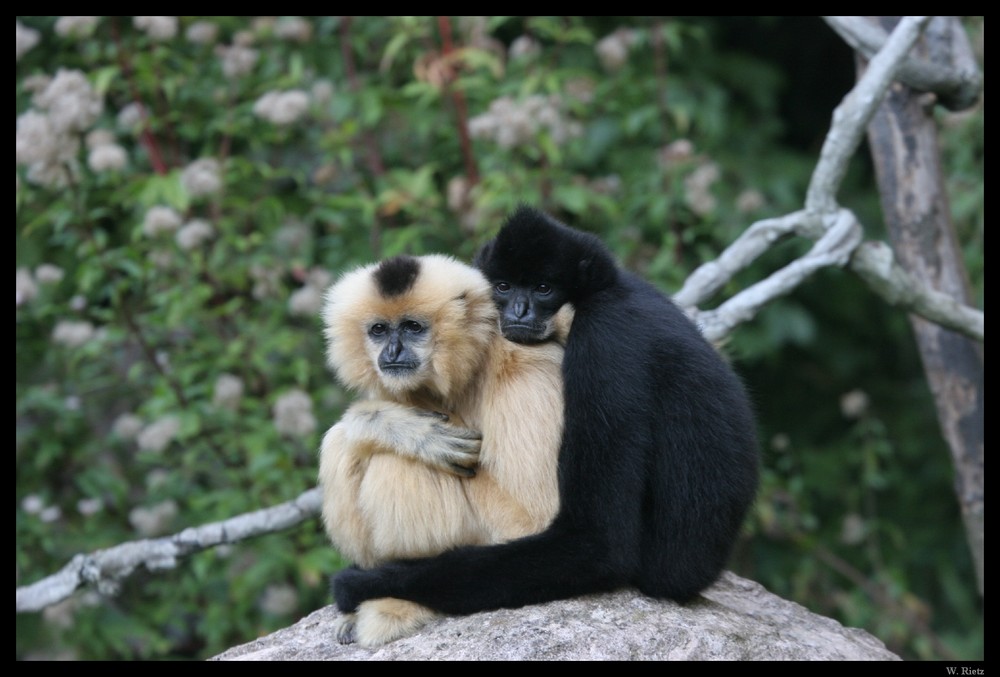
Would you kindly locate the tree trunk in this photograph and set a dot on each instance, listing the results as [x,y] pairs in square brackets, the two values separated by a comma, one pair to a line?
[904,145]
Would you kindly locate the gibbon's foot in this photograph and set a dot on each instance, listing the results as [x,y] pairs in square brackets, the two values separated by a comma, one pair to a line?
[344,629]
[383,620]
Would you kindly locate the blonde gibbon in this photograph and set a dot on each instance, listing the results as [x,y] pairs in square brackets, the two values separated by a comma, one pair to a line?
[456,439]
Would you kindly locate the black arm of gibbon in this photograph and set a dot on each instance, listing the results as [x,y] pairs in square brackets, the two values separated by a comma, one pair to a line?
[658,463]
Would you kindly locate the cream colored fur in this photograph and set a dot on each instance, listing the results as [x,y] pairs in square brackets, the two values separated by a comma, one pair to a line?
[390,488]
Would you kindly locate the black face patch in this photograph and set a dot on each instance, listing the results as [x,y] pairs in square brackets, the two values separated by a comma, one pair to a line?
[396,276]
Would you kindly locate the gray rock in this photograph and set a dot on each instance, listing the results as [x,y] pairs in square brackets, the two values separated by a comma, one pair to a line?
[734,620]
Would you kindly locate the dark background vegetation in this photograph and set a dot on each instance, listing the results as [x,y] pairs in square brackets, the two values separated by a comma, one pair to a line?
[856,518]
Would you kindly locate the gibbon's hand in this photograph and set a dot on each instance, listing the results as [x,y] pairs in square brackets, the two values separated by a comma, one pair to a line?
[421,434]
[450,448]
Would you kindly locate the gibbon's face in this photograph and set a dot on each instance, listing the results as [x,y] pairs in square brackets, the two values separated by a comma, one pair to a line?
[409,325]
[527,310]
[399,348]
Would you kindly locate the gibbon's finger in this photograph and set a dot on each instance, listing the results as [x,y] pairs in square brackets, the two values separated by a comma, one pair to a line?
[440,415]
[466,433]
[457,432]
[461,471]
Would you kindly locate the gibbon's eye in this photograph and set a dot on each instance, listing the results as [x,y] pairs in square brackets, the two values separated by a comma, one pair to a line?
[502,287]
[412,327]
[377,329]
[543,289]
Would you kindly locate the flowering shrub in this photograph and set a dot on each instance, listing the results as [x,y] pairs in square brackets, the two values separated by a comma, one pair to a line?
[186,189]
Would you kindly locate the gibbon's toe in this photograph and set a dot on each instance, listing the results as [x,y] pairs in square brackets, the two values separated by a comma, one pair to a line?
[344,629]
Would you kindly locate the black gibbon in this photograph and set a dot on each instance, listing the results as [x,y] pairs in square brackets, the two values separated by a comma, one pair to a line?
[419,338]
[658,463]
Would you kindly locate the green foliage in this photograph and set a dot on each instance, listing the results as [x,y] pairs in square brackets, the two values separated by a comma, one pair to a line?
[167,309]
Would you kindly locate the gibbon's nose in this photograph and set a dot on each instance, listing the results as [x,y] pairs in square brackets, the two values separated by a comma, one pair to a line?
[520,308]
[393,349]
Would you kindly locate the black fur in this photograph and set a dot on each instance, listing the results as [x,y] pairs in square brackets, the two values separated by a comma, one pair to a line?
[658,463]
[396,276]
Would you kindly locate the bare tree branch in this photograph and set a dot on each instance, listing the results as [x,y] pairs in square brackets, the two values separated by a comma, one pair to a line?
[834,248]
[875,263]
[851,117]
[952,73]
[105,568]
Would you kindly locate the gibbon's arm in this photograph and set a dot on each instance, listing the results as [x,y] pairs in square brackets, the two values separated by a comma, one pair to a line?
[413,432]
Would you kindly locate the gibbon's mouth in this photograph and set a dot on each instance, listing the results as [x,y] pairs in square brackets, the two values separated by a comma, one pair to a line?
[523,333]
[398,368]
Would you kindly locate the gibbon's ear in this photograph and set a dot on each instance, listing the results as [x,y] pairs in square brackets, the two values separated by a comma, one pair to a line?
[483,254]
[596,272]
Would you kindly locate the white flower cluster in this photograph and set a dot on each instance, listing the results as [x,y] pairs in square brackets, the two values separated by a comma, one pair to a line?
[201,177]
[612,50]
[202,32]
[50,156]
[157,435]
[27,290]
[675,153]
[105,155]
[130,117]
[511,123]
[475,33]
[48,273]
[749,200]
[237,60]
[71,103]
[27,284]
[293,415]
[47,138]
[307,301]
[697,188]
[293,28]
[580,89]
[76,26]
[293,236]
[159,220]
[282,108]
[24,39]
[194,234]
[33,504]
[524,47]
[228,392]
[322,91]
[154,520]
[89,506]
[127,426]
[854,404]
[158,28]
[279,599]
[72,333]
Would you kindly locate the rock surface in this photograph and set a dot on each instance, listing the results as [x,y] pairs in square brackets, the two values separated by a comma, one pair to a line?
[734,620]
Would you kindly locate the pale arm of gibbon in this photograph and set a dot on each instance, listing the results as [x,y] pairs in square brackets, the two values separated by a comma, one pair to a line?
[412,432]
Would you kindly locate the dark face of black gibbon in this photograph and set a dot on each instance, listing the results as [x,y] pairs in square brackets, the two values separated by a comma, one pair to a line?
[536,265]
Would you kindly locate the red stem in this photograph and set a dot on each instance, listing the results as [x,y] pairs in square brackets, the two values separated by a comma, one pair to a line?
[461,109]
[146,137]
